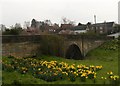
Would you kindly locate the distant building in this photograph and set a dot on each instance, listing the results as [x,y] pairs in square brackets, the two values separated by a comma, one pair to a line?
[98,28]
[102,28]
[116,35]
[66,32]
[30,31]
[79,29]
[66,26]
[65,29]
[40,28]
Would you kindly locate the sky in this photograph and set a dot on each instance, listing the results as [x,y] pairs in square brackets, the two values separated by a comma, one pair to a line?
[83,11]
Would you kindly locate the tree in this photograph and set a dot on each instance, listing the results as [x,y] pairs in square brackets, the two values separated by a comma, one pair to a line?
[42,27]
[67,21]
[26,24]
[72,22]
[64,20]
[14,30]
[55,25]
[89,23]
[2,27]
[48,22]
[17,25]
[79,24]
[11,32]
[33,23]
[118,28]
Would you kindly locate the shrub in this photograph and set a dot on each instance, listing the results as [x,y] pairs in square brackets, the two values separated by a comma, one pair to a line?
[51,45]
[13,31]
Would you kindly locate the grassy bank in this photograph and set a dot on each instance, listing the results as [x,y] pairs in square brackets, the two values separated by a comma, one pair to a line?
[105,55]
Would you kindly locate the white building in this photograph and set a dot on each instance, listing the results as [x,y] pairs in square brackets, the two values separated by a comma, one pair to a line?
[116,35]
[80,31]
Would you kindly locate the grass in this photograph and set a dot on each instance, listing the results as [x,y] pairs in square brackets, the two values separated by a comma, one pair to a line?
[99,56]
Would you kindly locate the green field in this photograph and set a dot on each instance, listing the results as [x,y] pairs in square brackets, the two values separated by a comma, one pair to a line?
[105,55]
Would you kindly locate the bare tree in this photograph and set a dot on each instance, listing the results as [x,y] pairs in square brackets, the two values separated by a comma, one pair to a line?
[79,24]
[18,25]
[33,23]
[72,22]
[48,22]
[26,24]
[64,20]
[67,21]
[2,27]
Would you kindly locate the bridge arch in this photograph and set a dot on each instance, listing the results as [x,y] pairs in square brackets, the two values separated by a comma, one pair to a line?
[73,52]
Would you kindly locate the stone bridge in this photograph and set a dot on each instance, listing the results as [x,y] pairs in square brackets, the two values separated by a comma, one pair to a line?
[77,47]
[72,46]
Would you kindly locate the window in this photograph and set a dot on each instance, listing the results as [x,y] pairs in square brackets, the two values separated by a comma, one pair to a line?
[96,28]
[92,28]
[101,28]
[87,28]
[101,31]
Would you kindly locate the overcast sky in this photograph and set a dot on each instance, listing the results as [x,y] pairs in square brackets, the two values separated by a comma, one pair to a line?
[18,11]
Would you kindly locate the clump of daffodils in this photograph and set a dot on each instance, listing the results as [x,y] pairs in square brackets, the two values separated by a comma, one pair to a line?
[114,77]
[53,70]
[103,78]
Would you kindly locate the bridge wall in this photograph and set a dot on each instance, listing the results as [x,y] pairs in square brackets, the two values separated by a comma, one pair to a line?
[23,49]
[22,46]
[19,46]
[84,43]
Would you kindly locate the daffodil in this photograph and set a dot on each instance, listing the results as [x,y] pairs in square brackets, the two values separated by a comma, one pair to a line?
[111,72]
[39,68]
[94,76]
[102,77]
[89,72]
[83,74]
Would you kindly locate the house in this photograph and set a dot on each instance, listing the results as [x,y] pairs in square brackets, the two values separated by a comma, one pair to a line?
[102,28]
[0,32]
[66,26]
[79,29]
[115,35]
[43,27]
[66,32]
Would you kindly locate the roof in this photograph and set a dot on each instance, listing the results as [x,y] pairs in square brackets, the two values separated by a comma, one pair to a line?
[66,26]
[82,27]
[116,35]
[108,24]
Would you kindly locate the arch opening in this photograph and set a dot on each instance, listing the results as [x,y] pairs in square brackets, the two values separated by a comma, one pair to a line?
[74,52]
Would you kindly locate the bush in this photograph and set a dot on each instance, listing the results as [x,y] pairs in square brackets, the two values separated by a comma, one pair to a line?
[51,45]
[13,31]
[111,45]
[16,83]
[10,56]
